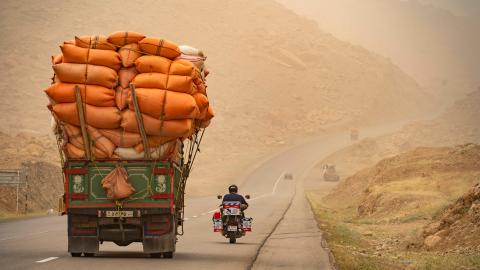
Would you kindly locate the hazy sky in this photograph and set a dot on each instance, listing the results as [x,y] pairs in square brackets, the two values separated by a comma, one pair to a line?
[459,7]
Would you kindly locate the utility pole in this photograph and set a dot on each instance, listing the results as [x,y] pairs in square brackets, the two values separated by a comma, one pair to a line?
[18,187]
[26,192]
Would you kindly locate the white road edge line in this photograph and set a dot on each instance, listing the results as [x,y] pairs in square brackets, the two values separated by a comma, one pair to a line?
[47,259]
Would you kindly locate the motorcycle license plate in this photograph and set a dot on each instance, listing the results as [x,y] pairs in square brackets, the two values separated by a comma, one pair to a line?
[232,228]
[231,211]
[119,213]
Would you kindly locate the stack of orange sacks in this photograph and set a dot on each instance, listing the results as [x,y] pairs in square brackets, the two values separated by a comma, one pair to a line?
[169,85]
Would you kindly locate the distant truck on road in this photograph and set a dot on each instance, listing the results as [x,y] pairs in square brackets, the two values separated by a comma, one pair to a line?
[354,134]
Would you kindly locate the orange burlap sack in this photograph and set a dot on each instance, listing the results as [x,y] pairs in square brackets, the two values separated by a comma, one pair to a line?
[91,94]
[162,152]
[94,42]
[151,80]
[161,47]
[153,141]
[98,117]
[204,124]
[74,135]
[171,128]
[210,114]
[202,104]
[116,184]
[121,138]
[123,38]
[182,67]
[198,61]
[180,83]
[129,53]
[86,74]
[177,105]
[99,154]
[101,142]
[206,71]
[200,85]
[74,152]
[121,96]
[151,63]
[126,75]
[79,55]
[57,59]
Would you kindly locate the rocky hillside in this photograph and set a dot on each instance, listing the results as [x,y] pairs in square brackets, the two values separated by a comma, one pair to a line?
[36,155]
[275,77]
[458,226]
[416,210]
[416,182]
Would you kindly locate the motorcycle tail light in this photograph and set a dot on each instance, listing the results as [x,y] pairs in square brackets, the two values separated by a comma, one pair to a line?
[217,215]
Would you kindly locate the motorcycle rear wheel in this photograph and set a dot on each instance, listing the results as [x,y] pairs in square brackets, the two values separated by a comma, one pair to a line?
[233,239]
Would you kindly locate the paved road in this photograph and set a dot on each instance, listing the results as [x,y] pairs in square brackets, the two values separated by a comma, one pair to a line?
[285,234]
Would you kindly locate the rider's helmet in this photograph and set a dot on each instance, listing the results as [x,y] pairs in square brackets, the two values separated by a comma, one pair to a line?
[233,189]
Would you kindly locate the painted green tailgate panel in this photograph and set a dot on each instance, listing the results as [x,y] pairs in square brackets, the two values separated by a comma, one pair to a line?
[85,188]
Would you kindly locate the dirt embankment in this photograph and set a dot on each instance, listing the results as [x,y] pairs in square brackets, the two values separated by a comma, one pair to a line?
[458,226]
[275,77]
[31,152]
[378,215]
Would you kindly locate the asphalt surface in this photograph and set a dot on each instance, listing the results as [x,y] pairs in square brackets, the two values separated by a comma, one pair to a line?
[284,235]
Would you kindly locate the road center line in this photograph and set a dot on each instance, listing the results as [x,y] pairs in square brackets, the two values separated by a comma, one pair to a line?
[47,259]
[276,182]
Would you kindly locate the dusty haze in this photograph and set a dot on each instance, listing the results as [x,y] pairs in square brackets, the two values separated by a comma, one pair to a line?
[276,77]
[434,41]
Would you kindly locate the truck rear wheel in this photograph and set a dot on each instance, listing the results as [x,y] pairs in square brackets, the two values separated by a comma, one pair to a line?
[156,255]
[75,254]
[168,255]
[88,254]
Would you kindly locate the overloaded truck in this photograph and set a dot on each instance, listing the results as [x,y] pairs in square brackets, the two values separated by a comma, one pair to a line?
[129,113]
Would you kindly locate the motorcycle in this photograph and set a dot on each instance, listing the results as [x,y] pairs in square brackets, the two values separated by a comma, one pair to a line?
[230,221]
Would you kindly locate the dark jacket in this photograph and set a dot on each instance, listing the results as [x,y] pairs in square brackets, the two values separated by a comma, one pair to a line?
[233,197]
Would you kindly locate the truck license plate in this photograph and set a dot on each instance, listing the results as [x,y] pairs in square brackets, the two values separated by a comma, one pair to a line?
[232,228]
[119,214]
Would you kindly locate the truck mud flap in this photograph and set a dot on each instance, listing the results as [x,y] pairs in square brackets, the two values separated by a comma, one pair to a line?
[157,244]
[83,244]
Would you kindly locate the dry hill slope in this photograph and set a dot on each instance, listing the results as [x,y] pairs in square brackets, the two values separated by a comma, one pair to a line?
[275,76]
[383,209]
[459,124]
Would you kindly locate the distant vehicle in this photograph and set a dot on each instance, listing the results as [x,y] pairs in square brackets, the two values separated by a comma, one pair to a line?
[230,220]
[329,173]
[354,134]
[288,176]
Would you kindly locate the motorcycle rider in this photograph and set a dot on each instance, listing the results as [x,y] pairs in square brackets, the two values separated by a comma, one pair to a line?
[233,196]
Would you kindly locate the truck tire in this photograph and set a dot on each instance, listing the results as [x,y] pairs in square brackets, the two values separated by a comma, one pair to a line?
[168,255]
[88,254]
[75,254]
[156,255]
